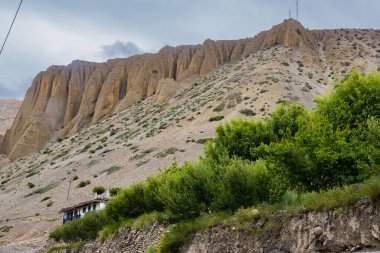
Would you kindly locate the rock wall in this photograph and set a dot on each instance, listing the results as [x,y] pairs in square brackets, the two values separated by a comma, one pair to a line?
[64,99]
[351,228]
[343,229]
[127,240]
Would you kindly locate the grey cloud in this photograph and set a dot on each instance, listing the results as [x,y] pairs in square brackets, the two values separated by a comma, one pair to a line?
[120,49]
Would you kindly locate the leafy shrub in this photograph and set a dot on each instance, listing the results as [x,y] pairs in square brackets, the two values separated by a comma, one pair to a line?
[84,183]
[99,189]
[247,112]
[114,191]
[30,185]
[216,118]
[81,229]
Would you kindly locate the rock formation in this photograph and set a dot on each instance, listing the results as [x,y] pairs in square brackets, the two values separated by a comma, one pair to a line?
[8,111]
[347,228]
[64,99]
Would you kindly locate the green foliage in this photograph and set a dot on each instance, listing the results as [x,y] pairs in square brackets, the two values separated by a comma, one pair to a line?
[99,189]
[83,229]
[67,248]
[291,203]
[180,233]
[151,249]
[216,118]
[114,191]
[30,185]
[353,102]
[332,146]
[196,188]
[203,140]
[84,183]
[110,170]
[247,112]
[5,229]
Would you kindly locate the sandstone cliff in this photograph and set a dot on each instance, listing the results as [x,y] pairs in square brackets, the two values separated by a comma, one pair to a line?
[64,99]
[8,111]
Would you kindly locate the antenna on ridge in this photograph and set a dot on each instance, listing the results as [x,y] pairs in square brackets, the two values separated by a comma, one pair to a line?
[297,9]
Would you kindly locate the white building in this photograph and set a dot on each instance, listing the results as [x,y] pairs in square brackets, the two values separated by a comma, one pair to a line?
[81,209]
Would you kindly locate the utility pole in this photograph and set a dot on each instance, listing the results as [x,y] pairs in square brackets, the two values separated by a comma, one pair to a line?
[290,14]
[297,9]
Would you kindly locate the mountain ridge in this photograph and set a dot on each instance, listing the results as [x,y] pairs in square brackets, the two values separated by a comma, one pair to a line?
[68,98]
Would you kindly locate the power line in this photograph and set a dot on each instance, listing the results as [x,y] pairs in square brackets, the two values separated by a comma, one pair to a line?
[10,28]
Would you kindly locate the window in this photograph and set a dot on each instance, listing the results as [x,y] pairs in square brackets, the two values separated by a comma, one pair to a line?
[94,207]
[89,208]
[84,209]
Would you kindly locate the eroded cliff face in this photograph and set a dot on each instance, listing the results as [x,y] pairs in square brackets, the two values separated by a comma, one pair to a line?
[64,99]
[8,111]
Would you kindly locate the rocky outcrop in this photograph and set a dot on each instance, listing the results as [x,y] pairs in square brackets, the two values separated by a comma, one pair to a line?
[349,228]
[64,99]
[342,229]
[127,240]
[166,89]
[8,111]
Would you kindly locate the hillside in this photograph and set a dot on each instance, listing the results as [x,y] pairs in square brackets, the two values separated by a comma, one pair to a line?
[64,99]
[118,122]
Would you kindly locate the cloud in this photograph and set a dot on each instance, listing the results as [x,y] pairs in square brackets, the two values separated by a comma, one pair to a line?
[120,49]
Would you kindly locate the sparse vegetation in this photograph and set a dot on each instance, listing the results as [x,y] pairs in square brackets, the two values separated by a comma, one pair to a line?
[204,140]
[30,185]
[43,189]
[166,152]
[84,183]
[247,112]
[216,118]
[220,107]
[114,191]
[5,229]
[99,189]
[110,170]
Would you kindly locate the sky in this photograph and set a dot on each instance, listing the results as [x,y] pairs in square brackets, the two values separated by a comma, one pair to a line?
[56,32]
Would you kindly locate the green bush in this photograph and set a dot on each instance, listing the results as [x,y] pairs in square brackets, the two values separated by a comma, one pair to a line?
[353,101]
[30,185]
[114,191]
[83,229]
[216,118]
[247,112]
[84,183]
[99,189]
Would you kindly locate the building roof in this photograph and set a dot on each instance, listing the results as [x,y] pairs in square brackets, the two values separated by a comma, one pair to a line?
[82,204]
